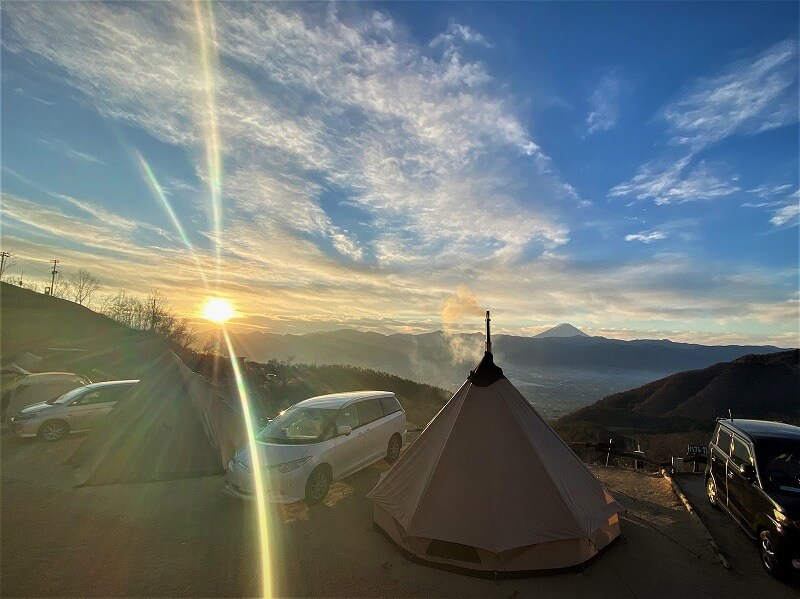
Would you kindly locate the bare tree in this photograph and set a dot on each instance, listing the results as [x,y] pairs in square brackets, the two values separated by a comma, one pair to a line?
[125,309]
[153,313]
[83,287]
[61,288]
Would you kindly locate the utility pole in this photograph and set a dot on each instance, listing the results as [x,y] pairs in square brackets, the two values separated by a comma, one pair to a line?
[53,278]
[3,256]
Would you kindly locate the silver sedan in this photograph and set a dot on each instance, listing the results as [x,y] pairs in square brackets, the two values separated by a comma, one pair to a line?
[75,411]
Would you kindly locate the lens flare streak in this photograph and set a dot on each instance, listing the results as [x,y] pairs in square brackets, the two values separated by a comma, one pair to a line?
[159,193]
[204,20]
[258,480]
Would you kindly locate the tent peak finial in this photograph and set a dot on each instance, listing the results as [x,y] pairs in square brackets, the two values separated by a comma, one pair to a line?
[488,333]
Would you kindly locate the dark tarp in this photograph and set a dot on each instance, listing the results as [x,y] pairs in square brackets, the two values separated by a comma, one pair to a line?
[173,424]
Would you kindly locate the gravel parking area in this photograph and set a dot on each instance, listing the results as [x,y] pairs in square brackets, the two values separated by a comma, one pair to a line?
[186,538]
[738,549]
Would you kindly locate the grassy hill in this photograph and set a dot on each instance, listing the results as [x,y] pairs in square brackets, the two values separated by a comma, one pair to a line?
[756,386]
[69,336]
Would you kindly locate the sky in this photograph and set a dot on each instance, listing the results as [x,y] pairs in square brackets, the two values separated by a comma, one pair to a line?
[630,168]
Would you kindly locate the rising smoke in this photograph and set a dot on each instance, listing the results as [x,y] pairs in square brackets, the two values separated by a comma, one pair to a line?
[462,311]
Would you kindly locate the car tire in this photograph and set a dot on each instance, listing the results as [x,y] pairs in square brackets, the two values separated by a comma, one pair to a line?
[317,485]
[773,563]
[393,449]
[53,430]
[711,492]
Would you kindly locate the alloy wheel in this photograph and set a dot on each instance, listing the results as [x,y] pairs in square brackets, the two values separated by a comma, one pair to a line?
[768,557]
[318,485]
[53,431]
[394,449]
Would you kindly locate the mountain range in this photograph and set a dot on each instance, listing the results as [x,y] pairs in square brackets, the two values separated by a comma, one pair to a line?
[560,370]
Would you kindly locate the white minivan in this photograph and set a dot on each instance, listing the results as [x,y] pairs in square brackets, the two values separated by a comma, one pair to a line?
[317,441]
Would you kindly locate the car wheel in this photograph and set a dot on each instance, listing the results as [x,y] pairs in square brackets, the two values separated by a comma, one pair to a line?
[711,492]
[53,430]
[317,485]
[393,451]
[771,561]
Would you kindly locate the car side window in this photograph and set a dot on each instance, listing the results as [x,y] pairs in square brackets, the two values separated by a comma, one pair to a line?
[86,399]
[390,405]
[99,396]
[369,411]
[741,453]
[724,441]
[347,417]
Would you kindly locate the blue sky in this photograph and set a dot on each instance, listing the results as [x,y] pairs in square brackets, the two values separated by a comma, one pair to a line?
[631,168]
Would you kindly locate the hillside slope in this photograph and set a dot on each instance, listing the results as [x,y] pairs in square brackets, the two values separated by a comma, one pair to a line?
[37,323]
[753,386]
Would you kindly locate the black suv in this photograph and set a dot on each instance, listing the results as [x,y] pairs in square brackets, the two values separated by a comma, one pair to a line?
[753,473]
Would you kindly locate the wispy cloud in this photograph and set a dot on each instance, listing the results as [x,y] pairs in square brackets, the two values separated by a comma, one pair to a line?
[677,182]
[67,150]
[646,236]
[747,97]
[789,213]
[459,33]
[22,91]
[604,104]
[784,206]
[770,191]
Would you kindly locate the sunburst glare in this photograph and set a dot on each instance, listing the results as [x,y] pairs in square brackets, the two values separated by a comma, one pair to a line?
[217,309]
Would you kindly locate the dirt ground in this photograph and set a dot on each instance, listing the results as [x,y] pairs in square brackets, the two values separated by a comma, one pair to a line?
[738,549]
[186,538]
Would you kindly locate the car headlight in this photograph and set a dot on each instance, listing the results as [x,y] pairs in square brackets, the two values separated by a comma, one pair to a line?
[289,466]
[780,517]
[26,415]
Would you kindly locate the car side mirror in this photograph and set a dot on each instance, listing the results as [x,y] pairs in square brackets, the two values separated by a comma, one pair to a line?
[748,471]
[343,430]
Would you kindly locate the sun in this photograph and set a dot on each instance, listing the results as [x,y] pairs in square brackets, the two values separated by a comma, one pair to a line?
[217,309]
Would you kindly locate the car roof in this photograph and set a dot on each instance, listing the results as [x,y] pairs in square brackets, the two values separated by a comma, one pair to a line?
[761,429]
[339,400]
[112,383]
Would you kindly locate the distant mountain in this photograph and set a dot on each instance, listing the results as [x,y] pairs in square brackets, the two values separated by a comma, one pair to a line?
[558,374]
[753,386]
[562,330]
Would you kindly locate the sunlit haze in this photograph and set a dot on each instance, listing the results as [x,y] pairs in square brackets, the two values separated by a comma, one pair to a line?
[361,165]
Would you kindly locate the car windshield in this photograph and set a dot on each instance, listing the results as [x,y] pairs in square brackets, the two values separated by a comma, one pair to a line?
[296,426]
[67,397]
[779,465]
